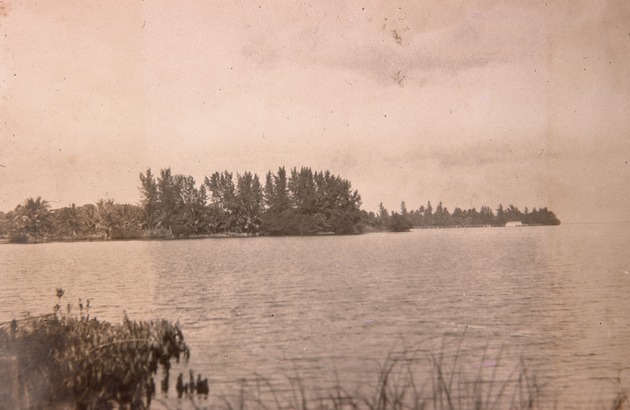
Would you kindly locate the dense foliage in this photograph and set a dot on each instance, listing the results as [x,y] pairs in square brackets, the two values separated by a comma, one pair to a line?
[302,203]
[298,202]
[174,206]
[91,364]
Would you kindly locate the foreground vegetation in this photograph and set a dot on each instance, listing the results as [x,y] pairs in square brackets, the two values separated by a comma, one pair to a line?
[299,202]
[68,360]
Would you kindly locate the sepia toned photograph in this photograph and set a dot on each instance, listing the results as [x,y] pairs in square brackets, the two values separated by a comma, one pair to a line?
[314,205]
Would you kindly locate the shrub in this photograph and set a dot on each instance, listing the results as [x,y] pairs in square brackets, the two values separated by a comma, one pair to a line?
[75,359]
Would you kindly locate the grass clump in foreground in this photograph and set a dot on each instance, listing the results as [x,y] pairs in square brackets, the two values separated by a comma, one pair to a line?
[71,360]
[444,384]
[420,379]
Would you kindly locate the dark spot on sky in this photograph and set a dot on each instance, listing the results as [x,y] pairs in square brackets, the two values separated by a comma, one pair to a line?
[397,37]
[4,9]
[399,78]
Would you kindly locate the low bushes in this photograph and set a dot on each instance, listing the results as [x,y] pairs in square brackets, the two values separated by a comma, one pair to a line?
[72,359]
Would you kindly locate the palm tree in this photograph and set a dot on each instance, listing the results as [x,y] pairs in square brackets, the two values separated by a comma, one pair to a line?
[31,220]
[67,221]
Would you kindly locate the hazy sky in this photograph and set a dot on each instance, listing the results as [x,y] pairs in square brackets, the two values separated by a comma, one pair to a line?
[468,102]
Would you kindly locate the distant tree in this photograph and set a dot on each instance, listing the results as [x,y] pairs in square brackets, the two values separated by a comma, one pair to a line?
[473,218]
[168,200]
[399,223]
[546,217]
[487,216]
[223,201]
[118,221]
[458,218]
[278,218]
[307,196]
[442,217]
[383,217]
[512,213]
[345,213]
[66,221]
[302,190]
[106,218]
[403,209]
[89,219]
[418,217]
[31,221]
[429,219]
[190,215]
[369,221]
[249,199]
[5,221]
[526,219]
[149,199]
[500,218]
[128,221]
[281,200]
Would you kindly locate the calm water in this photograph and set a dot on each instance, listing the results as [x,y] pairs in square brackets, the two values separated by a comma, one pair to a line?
[330,309]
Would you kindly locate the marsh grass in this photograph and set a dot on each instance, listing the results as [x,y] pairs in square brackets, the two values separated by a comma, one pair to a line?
[404,381]
[449,377]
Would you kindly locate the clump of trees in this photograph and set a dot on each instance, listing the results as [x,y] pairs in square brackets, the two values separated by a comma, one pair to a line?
[34,221]
[441,217]
[299,202]
[71,359]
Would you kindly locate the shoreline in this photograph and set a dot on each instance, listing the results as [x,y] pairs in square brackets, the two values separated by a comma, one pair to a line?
[230,235]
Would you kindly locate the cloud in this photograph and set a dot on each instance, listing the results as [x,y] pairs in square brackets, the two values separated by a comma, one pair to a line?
[385,48]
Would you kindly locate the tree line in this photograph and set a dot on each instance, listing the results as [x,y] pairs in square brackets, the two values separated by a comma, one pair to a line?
[441,217]
[298,202]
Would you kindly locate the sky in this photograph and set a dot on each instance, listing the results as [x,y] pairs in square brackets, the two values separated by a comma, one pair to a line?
[468,102]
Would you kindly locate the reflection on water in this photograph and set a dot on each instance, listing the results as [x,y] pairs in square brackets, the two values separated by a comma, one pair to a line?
[331,308]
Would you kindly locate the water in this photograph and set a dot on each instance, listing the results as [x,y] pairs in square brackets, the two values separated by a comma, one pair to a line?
[330,309]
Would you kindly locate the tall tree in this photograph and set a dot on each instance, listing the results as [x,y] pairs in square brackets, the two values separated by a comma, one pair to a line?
[223,201]
[168,199]
[278,218]
[149,198]
[249,198]
[190,216]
